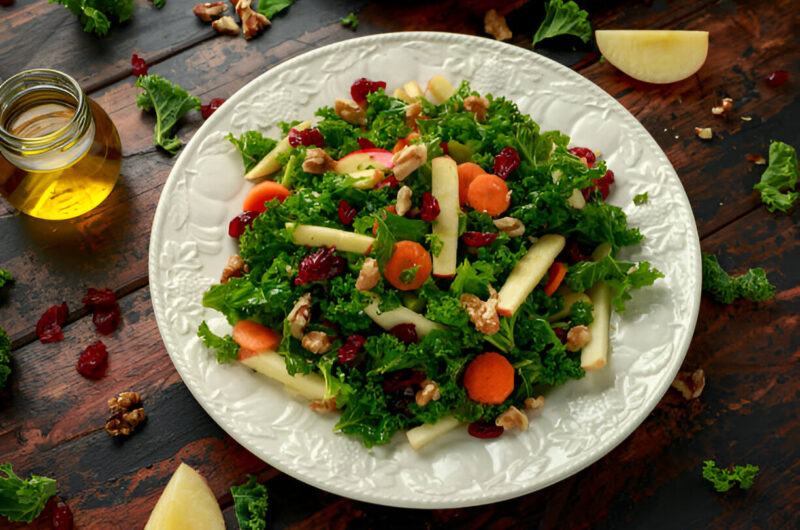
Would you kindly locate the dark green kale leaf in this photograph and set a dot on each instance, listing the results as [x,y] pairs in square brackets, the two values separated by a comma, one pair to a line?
[250,504]
[725,479]
[580,313]
[393,228]
[159,3]
[640,199]
[23,500]
[253,146]
[225,347]
[386,119]
[780,178]
[350,21]
[5,277]
[5,357]
[473,278]
[96,15]
[341,138]
[600,222]
[621,276]
[752,285]
[563,19]
[170,102]
[270,8]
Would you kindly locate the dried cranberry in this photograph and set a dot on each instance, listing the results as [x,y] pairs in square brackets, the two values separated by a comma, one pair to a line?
[478,239]
[390,181]
[603,185]
[306,137]
[238,224]
[60,516]
[346,212]
[106,313]
[574,254]
[561,333]
[401,401]
[777,78]
[364,86]
[321,265]
[213,105]
[506,162]
[405,332]
[484,429]
[93,361]
[445,147]
[139,65]
[394,381]
[430,207]
[583,152]
[99,298]
[48,329]
[364,143]
[6,2]
[348,351]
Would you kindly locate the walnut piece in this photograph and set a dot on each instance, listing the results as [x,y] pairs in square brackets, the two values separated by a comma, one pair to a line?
[127,414]
[477,106]
[578,337]
[723,108]
[350,111]
[209,11]
[233,269]
[430,392]
[299,316]
[318,161]
[226,26]
[317,342]
[510,225]
[409,159]
[482,314]
[495,25]
[253,22]
[704,133]
[690,384]
[512,418]
[403,201]
[534,403]
[755,158]
[413,111]
[369,275]
[322,406]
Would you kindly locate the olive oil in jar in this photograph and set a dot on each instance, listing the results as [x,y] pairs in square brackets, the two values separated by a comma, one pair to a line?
[61,154]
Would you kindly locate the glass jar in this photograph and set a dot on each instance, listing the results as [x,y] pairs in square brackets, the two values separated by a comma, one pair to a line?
[60,154]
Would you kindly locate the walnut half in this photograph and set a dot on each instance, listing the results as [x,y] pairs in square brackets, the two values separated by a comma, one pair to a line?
[512,418]
[253,22]
[482,314]
[127,414]
[209,11]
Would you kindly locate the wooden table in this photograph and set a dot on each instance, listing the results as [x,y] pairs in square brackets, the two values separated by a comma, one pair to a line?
[51,419]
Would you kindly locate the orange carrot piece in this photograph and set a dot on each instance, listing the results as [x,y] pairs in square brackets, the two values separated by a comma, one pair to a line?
[407,255]
[489,378]
[244,353]
[489,193]
[554,277]
[391,208]
[400,145]
[263,192]
[254,336]
[466,174]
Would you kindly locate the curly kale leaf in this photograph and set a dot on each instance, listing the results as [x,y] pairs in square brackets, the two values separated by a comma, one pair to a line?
[270,8]
[725,479]
[5,277]
[170,102]
[96,15]
[780,178]
[23,500]
[752,285]
[250,504]
[581,313]
[563,18]
[253,146]
[5,357]
[621,276]
[225,347]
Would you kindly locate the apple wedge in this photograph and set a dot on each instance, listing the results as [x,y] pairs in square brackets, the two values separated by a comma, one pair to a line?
[273,365]
[654,56]
[444,187]
[421,436]
[322,236]
[186,502]
[595,353]
[365,159]
[528,272]
[366,179]
[269,164]
[413,90]
[401,315]
[439,89]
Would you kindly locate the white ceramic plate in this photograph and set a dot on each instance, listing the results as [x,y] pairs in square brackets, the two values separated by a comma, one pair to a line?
[581,422]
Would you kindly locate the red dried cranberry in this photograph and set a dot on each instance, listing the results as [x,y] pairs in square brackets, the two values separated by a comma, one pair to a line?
[364,143]
[93,361]
[484,429]
[306,137]
[603,185]
[561,333]
[402,400]
[238,224]
[364,86]
[430,207]
[48,329]
[583,152]
[60,516]
[99,298]
[213,105]
[139,65]
[346,212]
[390,181]
[348,351]
[6,2]
[405,332]
[574,254]
[107,320]
[394,381]
[777,78]
[321,265]
[478,239]
[445,147]
[506,162]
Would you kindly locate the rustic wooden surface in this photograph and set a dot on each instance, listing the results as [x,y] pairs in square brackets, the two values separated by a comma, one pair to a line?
[51,419]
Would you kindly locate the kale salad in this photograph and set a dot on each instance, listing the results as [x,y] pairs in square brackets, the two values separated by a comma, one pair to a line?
[423,259]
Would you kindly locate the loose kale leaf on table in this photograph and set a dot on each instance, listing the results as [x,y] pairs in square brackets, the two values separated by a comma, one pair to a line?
[752,285]
[250,504]
[23,500]
[725,479]
[170,102]
[778,182]
[96,15]
[564,18]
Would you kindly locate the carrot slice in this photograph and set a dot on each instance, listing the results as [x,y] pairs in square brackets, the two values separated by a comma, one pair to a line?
[489,193]
[554,277]
[262,193]
[406,256]
[489,378]
[466,174]
[391,208]
[254,336]
[401,144]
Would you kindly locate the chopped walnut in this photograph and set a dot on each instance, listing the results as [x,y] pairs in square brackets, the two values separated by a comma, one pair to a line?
[413,112]
[233,269]
[403,201]
[429,392]
[534,403]
[209,11]
[409,159]
[755,159]
[723,108]
[511,418]
[318,161]
[322,406]
[482,314]
[317,342]
[578,337]
[477,106]
[690,384]
[299,316]
[511,226]
[226,26]
[495,25]
[704,133]
[368,276]
[350,111]
[253,22]
[127,414]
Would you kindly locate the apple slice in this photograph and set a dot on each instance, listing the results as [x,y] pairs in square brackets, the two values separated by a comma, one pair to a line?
[528,272]
[269,164]
[654,56]
[421,436]
[595,353]
[366,179]
[401,94]
[322,236]
[444,187]
[362,159]
[439,89]
[186,502]
[401,315]
[273,365]
[413,90]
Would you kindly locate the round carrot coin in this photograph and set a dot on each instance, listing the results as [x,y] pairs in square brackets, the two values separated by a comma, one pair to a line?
[409,266]
[489,378]
[489,193]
